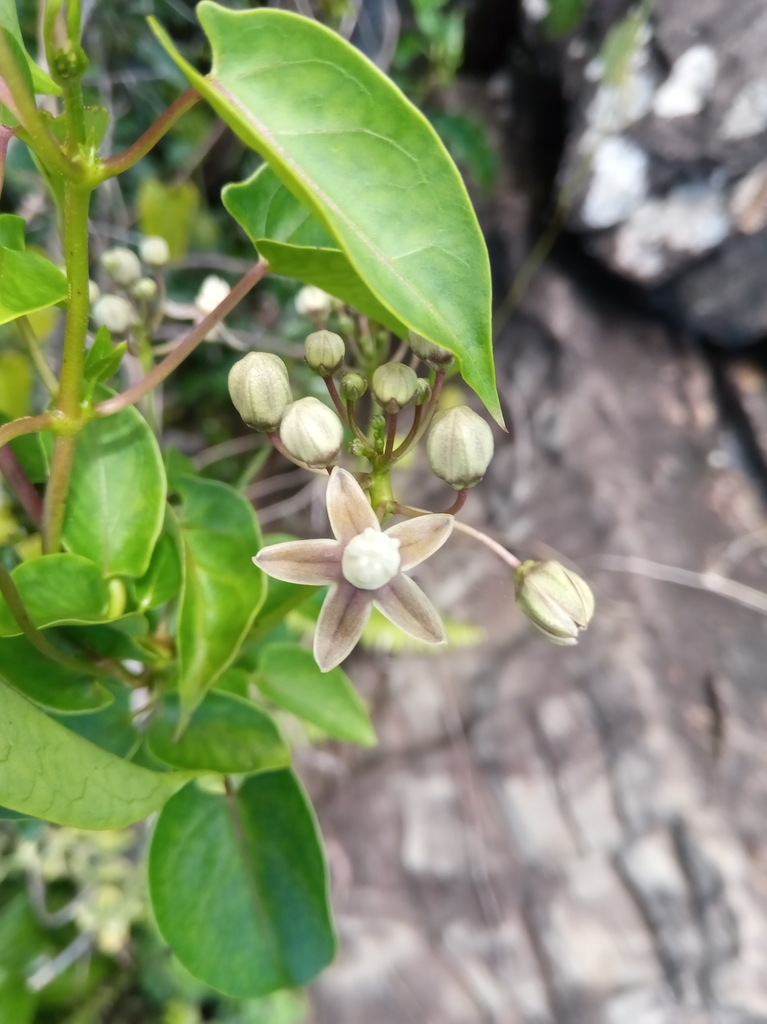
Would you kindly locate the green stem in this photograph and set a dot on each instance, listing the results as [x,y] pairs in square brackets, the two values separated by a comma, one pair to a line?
[351,416]
[197,335]
[42,141]
[130,156]
[29,337]
[403,448]
[33,634]
[76,203]
[381,494]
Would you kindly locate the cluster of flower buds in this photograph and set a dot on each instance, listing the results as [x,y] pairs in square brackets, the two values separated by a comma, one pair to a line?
[113,310]
[309,431]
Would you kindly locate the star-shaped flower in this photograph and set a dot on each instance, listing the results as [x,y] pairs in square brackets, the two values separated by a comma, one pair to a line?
[364,566]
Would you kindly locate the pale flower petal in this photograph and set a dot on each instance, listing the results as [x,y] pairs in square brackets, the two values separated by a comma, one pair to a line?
[344,614]
[404,603]
[420,537]
[349,510]
[309,562]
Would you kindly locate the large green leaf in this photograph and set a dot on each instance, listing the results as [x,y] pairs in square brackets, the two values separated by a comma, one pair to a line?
[9,20]
[57,589]
[162,580]
[28,282]
[112,728]
[49,772]
[222,589]
[289,676]
[116,500]
[239,887]
[17,1003]
[286,233]
[46,682]
[226,734]
[371,168]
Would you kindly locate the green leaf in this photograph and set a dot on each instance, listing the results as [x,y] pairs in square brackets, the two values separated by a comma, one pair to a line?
[12,231]
[348,144]
[49,772]
[46,682]
[162,580]
[16,383]
[563,17]
[168,211]
[112,729]
[222,589]
[9,20]
[122,639]
[28,282]
[57,589]
[288,675]
[116,501]
[102,360]
[296,244]
[226,734]
[239,886]
[17,1003]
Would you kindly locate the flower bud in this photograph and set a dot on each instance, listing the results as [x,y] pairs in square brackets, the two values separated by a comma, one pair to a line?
[154,251]
[313,303]
[394,385]
[433,355]
[260,389]
[212,293]
[556,600]
[115,313]
[312,433]
[145,288]
[94,293]
[353,386]
[122,265]
[325,352]
[357,447]
[422,392]
[460,447]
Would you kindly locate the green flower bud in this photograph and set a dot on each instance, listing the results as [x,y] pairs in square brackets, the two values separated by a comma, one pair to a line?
[357,447]
[353,386]
[122,265]
[115,313]
[154,251]
[422,392]
[433,355]
[556,600]
[145,288]
[394,385]
[460,447]
[260,389]
[325,352]
[312,433]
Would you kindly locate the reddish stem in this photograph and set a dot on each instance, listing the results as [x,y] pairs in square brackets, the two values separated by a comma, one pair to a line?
[130,156]
[460,501]
[391,433]
[21,485]
[330,384]
[198,334]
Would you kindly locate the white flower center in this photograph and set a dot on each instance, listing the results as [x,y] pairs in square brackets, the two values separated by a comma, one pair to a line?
[371,559]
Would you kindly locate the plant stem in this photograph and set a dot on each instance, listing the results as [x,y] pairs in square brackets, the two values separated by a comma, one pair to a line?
[188,345]
[26,425]
[391,433]
[34,635]
[495,547]
[76,203]
[6,134]
[42,141]
[330,384]
[431,406]
[381,494]
[130,156]
[460,501]
[29,337]
[401,449]
[20,484]
[352,419]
